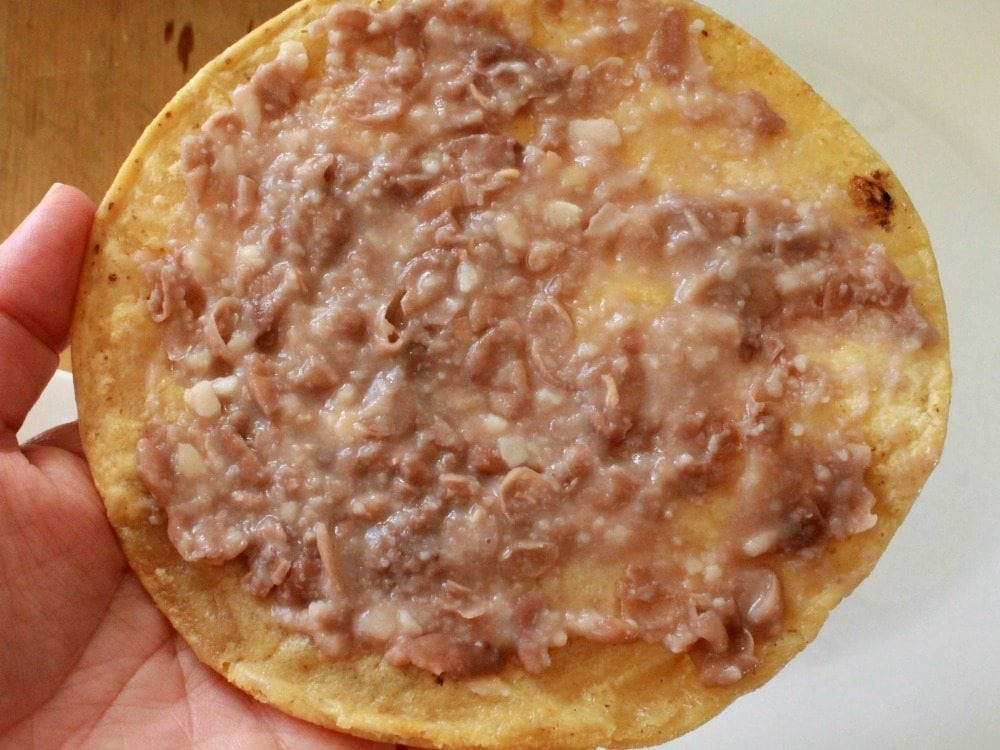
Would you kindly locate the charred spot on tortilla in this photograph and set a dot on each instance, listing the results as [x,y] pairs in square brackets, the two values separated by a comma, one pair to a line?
[870,193]
[443,357]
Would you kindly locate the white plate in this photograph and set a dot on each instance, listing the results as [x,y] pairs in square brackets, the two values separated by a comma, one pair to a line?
[911,660]
[55,406]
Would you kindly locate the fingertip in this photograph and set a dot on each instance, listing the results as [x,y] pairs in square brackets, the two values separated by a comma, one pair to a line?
[39,270]
[74,206]
[40,264]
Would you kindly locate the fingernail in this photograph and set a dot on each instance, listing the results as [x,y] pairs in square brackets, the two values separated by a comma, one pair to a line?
[52,188]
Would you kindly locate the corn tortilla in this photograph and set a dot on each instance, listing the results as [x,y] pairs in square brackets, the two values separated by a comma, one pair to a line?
[611,695]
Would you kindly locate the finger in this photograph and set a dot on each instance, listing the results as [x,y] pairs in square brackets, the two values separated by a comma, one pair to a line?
[39,269]
[65,437]
[47,453]
[55,459]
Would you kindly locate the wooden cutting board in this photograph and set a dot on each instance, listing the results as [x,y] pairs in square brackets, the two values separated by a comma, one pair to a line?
[80,80]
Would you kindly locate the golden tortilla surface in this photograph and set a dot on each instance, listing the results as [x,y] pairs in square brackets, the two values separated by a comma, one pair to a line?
[611,695]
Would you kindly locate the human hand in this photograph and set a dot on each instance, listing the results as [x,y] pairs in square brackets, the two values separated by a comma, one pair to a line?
[85,657]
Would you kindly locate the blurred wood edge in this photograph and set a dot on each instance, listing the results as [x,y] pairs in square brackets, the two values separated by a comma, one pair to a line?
[80,81]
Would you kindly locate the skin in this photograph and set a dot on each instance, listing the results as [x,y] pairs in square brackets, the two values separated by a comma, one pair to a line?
[86,659]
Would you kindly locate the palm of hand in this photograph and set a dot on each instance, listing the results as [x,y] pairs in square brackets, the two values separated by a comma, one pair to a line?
[85,657]
[88,659]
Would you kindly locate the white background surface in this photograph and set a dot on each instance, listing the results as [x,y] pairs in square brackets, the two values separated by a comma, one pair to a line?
[55,406]
[912,659]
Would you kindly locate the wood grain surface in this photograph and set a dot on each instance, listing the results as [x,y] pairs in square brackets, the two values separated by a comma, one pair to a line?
[80,79]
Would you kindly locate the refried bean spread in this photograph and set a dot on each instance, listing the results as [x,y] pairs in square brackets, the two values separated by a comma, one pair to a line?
[446,347]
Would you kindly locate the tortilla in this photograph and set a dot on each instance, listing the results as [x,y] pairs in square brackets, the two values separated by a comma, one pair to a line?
[592,694]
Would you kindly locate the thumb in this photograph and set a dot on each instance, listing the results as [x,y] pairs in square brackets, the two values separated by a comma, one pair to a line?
[39,269]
